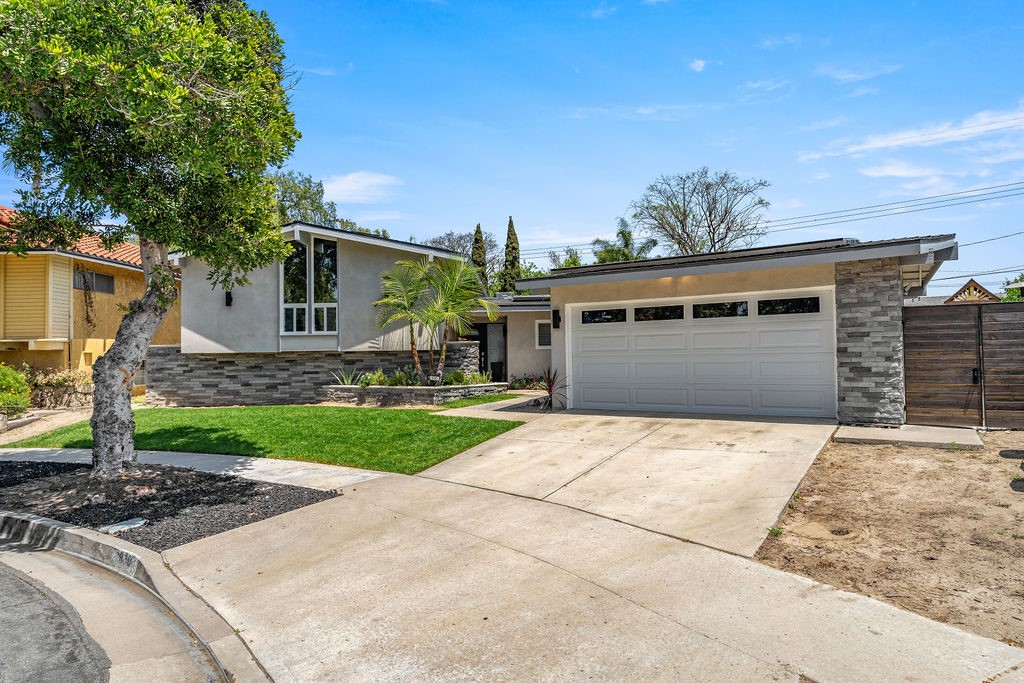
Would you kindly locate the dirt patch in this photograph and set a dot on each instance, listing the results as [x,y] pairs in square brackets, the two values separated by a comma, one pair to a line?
[940,533]
[181,505]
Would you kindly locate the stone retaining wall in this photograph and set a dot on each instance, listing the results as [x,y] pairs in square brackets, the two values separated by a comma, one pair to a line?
[56,398]
[394,396]
[869,342]
[174,378]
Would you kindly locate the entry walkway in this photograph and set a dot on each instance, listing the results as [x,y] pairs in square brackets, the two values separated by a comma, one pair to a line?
[718,481]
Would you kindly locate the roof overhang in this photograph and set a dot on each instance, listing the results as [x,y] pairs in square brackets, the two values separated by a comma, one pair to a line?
[919,259]
[82,257]
[294,229]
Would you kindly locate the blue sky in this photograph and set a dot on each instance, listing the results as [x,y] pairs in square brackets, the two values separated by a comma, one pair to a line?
[424,117]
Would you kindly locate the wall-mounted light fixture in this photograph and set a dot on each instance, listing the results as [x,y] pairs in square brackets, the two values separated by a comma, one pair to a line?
[228,298]
[556,318]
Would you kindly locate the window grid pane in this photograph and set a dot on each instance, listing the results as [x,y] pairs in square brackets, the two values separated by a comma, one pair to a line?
[295,279]
[543,334]
[605,315]
[325,271]
[802,304]
[651,313]
[725,309]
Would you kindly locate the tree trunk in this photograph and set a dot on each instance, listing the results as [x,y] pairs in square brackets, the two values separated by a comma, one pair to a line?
[415,352]
[440,360]
[113,426]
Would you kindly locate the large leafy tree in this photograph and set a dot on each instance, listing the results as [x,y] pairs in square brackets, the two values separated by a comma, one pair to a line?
[478,255]
[511,269]
[625,247]
[299,197]
[703,211]
[464,243]
[569,258]
[163,115]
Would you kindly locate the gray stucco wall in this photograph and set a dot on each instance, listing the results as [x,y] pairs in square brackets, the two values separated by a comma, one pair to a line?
[174,378]
[523,356]
[252,323]
[869,342]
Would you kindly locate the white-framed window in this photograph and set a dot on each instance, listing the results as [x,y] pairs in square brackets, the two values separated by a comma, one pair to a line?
[542,334]
[309,287]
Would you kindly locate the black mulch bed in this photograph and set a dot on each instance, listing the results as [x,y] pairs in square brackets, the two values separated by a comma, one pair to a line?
[181,505]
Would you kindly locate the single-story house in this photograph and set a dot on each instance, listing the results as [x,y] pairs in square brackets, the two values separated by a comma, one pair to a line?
[297,322]
[810,329]
[61,308]
[518,342]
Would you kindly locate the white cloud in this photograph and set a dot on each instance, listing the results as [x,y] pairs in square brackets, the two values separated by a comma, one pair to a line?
[765,85]
[603,10]
[842,75]
[328,71]
[899,169]
[862,91]
[777,41]
[646,112]
[697,65]
[359,187]
[975,126]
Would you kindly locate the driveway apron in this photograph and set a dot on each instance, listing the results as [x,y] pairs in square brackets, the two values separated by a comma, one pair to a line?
[721,482]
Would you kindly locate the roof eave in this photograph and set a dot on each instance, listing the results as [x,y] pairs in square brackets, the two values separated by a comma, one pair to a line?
[917,251]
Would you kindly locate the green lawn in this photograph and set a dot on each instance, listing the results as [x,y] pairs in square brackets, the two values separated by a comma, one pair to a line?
[390,440]
[476,400]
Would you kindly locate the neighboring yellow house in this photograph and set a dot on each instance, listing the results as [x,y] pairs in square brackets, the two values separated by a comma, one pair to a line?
[60,308]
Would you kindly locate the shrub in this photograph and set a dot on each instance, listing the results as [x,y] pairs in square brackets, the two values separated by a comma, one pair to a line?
[535,382]
[404,377]
[15,393]
[478,378]
[377,378]
[347,376]
[49,377]
[454,377]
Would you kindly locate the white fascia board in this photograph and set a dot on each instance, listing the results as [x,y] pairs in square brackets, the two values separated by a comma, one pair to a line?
[370,239]
[912,249]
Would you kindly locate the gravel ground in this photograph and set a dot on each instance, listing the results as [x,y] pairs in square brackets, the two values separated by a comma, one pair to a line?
[181,505]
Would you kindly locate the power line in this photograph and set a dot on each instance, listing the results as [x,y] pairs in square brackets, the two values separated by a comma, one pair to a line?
[827,218]
[993,239]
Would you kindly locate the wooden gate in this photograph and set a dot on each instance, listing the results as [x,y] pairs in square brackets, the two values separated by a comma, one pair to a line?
[964,365]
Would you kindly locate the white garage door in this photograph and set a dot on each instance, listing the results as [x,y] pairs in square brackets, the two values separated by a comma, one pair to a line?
[765,354]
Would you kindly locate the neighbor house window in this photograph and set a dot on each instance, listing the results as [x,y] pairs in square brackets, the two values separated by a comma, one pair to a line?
[310,284]
[801,304]
[543,334]
[94,282]
[725,309]
[642,314]
[604,315]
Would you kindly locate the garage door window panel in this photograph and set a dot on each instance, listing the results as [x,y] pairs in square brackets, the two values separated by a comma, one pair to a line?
[791,306]
[724,309]
[604,315]
[658,313]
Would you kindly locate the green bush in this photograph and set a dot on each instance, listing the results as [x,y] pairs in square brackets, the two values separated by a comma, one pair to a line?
[50,377]
[404,377]
[527,382]
[454,377]
[377,378]
[478,378]
[15,393]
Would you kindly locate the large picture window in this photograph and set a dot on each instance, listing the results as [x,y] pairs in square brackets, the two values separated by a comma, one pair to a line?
[310,284]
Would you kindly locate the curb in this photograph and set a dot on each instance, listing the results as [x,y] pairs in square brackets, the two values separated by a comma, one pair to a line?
[229,657]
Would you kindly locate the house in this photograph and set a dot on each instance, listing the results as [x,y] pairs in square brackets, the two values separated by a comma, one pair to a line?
[810,329]
[297,322]
[518,342]
[61,308]
[972,293]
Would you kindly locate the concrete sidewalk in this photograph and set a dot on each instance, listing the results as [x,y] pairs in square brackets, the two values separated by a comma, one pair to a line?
[312,475]
[411,578]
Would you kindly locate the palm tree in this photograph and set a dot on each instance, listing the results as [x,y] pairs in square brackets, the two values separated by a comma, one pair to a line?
[402,299]
[624,248]
[457,294]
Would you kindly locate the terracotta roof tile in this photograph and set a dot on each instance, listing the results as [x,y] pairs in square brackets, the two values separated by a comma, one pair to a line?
[90,245]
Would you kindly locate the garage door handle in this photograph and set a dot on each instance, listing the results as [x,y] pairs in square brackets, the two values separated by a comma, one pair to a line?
[975,376]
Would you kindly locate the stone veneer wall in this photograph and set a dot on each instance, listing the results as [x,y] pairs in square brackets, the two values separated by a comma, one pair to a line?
[174,378]
[869,342]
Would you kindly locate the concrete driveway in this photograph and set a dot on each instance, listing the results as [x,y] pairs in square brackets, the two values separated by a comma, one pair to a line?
[721,482]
